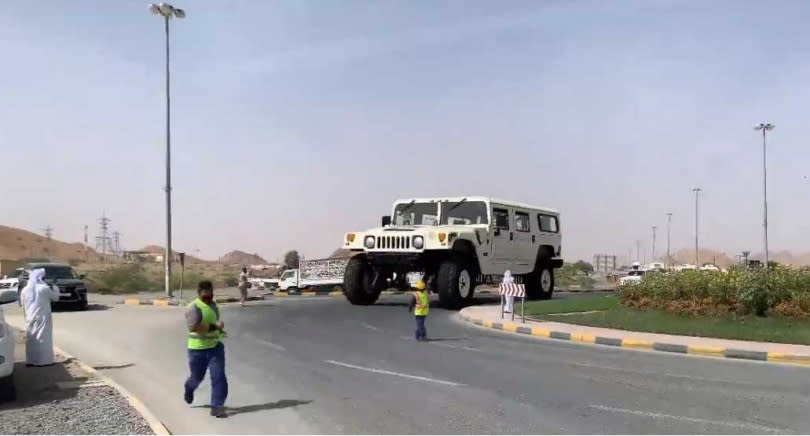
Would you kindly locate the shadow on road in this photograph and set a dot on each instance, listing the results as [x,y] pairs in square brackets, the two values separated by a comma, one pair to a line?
[281,404]
[90,308]
[103,367]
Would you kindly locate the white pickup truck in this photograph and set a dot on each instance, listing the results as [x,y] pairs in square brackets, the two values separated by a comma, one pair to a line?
[316,275]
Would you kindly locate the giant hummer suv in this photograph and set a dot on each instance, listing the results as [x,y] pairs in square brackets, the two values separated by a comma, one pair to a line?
[456,244]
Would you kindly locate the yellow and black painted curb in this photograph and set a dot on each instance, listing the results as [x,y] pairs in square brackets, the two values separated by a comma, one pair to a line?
[706,351]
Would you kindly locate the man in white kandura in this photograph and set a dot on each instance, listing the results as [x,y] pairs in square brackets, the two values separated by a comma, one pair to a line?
[36,300]
[510,300]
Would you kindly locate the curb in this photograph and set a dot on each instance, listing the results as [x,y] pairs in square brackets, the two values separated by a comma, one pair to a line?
[637,344]
[154,423]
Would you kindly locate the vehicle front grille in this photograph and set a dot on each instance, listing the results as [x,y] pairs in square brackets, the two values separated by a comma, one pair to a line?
[393,243]
[5,285]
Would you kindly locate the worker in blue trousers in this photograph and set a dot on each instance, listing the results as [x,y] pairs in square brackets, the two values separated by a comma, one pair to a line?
[206,352]
[420,305]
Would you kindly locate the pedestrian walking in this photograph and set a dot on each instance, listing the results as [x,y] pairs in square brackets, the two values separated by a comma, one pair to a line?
[420,305]
[206,352]
[244,284]
[36,299]
[510,299]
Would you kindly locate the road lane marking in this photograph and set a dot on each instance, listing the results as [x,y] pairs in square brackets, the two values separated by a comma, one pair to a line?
[440,344]
[370,327]
[397,374]
[665,374]
[271,345]
[687,419]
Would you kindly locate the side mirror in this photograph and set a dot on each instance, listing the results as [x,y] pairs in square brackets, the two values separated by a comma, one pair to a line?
[8,296]
[82,276]
[497,231]
[386,220]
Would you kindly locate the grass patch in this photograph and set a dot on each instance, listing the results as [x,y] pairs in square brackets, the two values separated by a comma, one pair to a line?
[612,315]
[570,305]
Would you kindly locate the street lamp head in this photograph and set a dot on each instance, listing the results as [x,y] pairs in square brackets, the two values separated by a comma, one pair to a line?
[764,126]
[166,10]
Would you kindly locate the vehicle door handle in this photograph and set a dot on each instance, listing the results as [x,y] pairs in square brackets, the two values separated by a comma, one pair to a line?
[511,236]
[532,239]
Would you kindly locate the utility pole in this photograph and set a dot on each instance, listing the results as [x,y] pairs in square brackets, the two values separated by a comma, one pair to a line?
[765,127]
[638,250]
[669,233]
[653,247]
[697,254]
[48,232]
[168,11]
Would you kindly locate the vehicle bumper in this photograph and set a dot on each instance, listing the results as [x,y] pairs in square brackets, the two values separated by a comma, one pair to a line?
[72,297]
[7,352]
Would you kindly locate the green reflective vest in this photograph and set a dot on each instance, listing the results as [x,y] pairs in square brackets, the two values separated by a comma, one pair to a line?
[205,341]
[422,303]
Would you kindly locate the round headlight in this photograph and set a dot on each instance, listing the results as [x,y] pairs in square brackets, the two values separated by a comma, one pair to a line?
[369,242]
[418,242]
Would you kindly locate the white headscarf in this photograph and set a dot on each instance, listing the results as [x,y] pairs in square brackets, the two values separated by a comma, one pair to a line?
[507,277]
[34,280]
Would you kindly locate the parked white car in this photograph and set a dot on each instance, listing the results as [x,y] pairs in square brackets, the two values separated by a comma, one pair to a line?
[7,392]
[632,277]
[457,243]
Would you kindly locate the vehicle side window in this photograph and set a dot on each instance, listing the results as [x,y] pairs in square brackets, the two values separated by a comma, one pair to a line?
[548,223]
[522,222]
[501,218]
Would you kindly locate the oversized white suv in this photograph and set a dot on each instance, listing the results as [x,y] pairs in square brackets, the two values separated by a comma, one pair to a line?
[457,243]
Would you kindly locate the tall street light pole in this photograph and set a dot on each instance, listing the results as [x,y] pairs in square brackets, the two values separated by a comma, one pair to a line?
[669,226]
[653,247]
[168,11]
[697,255]
[765,127]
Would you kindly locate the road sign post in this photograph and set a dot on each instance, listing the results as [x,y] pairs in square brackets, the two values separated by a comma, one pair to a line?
[513,290]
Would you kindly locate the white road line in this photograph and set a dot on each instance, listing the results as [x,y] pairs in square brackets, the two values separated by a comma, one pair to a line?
[688,419]
[398,374]
[370,327]
[651,373]
[440,344]
[271,345]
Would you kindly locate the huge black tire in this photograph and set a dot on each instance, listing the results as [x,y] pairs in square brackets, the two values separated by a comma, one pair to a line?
[357,282]
[7,390]
[540,283]
[455,282]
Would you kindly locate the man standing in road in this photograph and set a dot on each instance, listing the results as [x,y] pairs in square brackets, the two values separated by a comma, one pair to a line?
[419,304]
[243,285]
[206,352]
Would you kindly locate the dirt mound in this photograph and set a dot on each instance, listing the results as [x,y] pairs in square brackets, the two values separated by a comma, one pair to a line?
[22,244]
[237,257]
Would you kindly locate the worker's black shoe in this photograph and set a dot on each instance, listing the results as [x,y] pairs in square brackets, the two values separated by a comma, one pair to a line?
[189,397]
[218,412]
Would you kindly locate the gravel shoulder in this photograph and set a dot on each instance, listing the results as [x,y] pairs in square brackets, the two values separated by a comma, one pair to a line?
[64,399]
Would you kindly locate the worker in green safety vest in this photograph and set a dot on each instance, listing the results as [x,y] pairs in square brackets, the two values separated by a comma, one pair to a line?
[420,305]
[206,352]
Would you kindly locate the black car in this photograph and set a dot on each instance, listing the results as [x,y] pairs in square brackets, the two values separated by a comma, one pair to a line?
[72,289]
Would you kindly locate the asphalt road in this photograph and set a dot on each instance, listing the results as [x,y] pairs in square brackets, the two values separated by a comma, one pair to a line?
[320,365]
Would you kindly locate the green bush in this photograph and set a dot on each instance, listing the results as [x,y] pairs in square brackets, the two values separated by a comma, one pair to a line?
[126,279]
[231,281]
[781,290]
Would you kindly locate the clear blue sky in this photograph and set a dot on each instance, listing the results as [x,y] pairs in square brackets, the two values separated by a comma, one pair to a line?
[295,121]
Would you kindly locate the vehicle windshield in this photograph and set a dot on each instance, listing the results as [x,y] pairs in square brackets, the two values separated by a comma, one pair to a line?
[59,272]
[464,213]
[416,214]
[635,273]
